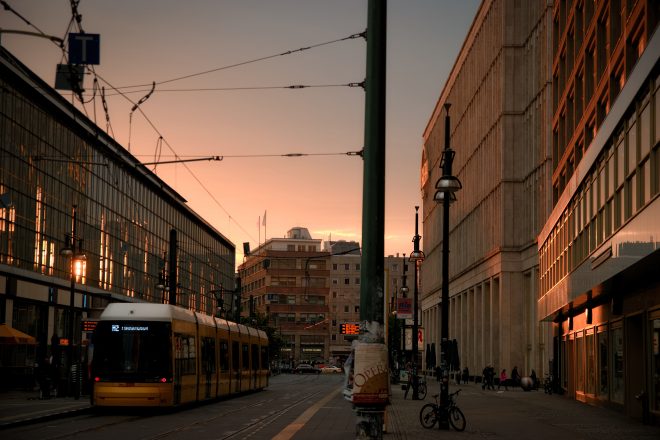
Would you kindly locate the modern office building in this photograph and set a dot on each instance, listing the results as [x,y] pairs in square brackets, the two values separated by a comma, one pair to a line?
[599,248]
[286,279]
[83,223]
[500,95]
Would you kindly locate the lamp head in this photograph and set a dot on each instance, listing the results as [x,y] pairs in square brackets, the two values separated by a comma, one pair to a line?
[439,197]
[416,255]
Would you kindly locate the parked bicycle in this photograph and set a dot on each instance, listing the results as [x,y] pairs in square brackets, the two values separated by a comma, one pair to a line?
[433,413]
[421,387]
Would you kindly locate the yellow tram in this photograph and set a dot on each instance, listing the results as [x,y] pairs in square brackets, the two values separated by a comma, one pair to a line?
[162,355]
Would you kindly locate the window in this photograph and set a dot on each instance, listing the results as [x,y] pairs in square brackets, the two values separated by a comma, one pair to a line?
[224,355]
[655,363]
[334,266]
[603,363]
[347,266]
[347,281]
[616,355]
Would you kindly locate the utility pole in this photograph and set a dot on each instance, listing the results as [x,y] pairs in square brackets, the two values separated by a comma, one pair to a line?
[370,392]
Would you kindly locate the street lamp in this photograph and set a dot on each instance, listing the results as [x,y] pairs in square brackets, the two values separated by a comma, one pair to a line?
[78,260]
[446,187]
[163,283]
[416,256]
[404,294]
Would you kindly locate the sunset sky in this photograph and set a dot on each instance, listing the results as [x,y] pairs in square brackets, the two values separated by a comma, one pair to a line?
[256,119]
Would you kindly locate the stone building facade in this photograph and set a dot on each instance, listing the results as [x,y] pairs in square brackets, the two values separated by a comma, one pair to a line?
[500,95]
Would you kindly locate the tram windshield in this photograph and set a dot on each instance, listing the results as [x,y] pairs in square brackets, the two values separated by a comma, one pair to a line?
[132,350]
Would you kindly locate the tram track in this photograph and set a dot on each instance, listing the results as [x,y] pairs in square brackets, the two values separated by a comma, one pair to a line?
[260,422]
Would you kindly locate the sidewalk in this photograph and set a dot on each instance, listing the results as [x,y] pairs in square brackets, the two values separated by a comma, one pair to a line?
[22,407]
[514,414]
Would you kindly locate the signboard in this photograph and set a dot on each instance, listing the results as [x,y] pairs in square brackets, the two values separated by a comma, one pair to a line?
[404,308]
[420,338]
[89,326]
[84,48]
[349,328]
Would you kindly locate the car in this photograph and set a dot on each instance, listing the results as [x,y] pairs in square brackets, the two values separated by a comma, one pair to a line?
[305,369]
[331,369]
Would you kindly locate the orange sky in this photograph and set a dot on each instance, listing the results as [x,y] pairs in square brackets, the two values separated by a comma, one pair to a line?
[146,41]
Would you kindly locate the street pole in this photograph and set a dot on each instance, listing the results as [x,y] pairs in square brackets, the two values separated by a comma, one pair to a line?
[448,157]
[417,256]
[371,351]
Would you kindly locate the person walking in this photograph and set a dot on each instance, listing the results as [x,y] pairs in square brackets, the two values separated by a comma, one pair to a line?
[515,377]
[466,375]
[503,380]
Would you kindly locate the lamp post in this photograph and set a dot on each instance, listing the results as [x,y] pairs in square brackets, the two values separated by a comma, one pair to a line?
[404,294]
[446,188]
[78,259]
[163,282]
[416,256]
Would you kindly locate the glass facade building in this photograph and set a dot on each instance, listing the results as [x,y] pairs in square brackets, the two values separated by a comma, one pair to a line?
[599,251]
[55,162]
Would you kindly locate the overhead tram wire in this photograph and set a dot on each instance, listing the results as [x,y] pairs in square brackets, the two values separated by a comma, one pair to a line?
[243,63]
[180,159]
[241,88]
[77,17]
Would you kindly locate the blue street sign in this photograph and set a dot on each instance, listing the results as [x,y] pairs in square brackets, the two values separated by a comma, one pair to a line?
[84,48]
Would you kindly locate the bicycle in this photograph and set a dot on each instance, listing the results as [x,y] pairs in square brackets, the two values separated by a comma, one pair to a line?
[433,413]
[421,387]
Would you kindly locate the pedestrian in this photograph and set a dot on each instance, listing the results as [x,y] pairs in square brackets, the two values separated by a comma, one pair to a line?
[409,382]
[503,380]
[491,377]
[466,375]
[515,377]
[535,380]
[484,377]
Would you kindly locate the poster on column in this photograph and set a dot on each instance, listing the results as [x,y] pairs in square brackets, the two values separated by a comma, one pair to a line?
[420,338]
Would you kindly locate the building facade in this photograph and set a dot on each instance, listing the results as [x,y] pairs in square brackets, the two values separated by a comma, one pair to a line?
[500,95]
[286,280]
[599,248]
[66,185]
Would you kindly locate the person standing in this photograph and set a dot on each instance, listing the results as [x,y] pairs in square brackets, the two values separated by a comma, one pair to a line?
[503,380]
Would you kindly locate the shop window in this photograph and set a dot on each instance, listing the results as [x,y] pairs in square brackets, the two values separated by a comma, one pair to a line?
[618,379]
[590,364]
[603,363]
[655,361]
[579,363]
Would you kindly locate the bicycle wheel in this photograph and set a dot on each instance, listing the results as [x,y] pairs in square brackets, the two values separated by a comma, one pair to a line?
[421,391]
[427,416]
[457,419]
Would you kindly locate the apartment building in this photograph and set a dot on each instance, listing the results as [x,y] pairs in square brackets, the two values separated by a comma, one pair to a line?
[286,279]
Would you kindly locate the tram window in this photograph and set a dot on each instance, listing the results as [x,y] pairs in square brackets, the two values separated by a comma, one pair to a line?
[246,357]
[208,355]
[255,356]
[264,357]
[224,355]
[185,354]
[134,352]
[235,354]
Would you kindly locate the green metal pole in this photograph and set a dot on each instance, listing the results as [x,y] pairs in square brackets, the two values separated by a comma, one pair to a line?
[373,193]
[370,413]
